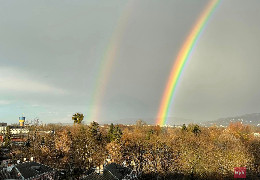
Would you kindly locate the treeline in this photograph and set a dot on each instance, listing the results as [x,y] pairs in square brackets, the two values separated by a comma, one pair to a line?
[153,151]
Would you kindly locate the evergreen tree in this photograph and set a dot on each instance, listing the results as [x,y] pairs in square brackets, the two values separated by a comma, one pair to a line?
[196,129]
[110,134]
[117,133]
[114,133]
[184,128]
[94,130]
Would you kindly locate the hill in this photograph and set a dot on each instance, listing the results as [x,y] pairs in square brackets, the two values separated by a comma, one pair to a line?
[248,119]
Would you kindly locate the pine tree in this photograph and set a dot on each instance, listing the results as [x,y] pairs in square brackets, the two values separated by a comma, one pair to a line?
[114,133]
[110,134]
[94,130]
[117,133]
[196,129]
[184,128]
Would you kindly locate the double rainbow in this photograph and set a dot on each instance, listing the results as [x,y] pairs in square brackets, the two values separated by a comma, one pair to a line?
[181,60]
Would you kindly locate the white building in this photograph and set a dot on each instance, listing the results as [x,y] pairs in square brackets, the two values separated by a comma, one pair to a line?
[3,129]
[14,130]
[18,130]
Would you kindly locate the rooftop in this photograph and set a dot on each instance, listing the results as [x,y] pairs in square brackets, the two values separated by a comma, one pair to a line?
[32,169]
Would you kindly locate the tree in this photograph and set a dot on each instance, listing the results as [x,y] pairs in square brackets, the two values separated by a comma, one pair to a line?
[94,130]
[117,133]
[184,128]
[140,123]
[114,133]
[149,134]
[77,118]
[110,134]
[196,129]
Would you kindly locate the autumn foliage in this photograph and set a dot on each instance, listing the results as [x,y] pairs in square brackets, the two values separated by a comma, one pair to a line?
[153,151]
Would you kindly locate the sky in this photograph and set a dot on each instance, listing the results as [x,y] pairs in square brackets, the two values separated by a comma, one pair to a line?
[51,54]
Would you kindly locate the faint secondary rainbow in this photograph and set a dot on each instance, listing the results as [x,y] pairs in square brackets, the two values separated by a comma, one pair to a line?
[181,60]
[106,65]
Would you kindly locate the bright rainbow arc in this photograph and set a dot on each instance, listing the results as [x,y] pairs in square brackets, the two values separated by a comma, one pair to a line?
[181,60]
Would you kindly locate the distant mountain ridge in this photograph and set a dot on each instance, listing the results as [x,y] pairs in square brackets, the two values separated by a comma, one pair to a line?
[248,119]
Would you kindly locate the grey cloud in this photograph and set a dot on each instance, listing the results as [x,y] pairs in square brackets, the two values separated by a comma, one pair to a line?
[60,44]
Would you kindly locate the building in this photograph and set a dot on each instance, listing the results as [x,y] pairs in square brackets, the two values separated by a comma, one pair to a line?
[5,157]
[3,128]
[29,171]
[17,134]
[3,124]
[112,171]
[17,130]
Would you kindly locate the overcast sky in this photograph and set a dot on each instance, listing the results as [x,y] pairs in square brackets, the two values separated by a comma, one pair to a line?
[51,51]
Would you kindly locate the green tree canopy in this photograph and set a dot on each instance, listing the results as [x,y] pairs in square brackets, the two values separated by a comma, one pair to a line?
[77,118]
[94,130]
[114,133]
[184,128]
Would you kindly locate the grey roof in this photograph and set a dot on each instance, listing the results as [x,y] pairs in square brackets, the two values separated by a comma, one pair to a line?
[111,171]
[33,169]
[117,170]
[105,176]
[4,174]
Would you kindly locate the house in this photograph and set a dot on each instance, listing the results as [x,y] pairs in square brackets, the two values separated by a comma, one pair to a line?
[17,134]
[5,157]
[34,171]
[28,171]
[16,130]
[3,128]
[5,173]
[113,171]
